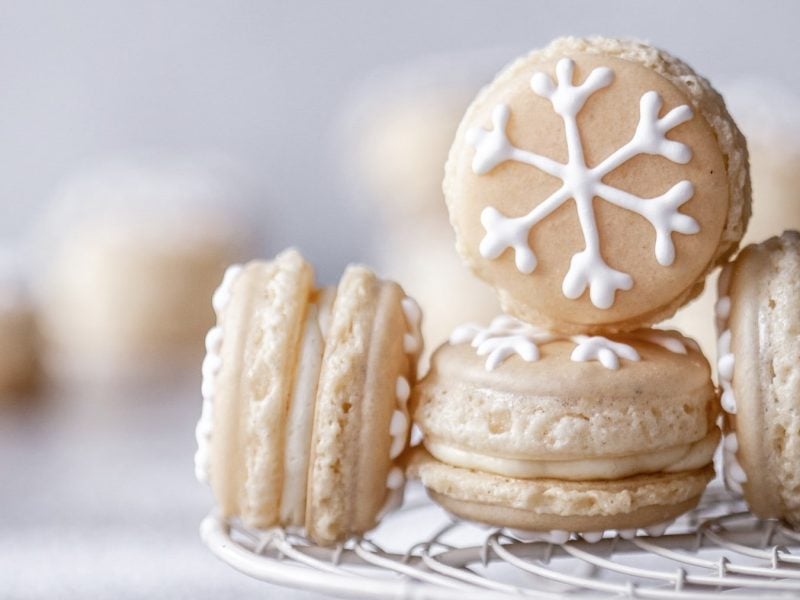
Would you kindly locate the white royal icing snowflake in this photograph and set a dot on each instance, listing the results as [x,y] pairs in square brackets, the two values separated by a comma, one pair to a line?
[503,337]
[582,183]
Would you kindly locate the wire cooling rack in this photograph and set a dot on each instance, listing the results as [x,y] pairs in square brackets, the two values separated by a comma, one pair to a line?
[421,552]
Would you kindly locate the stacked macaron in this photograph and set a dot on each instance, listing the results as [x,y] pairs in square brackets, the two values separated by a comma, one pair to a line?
[305,397]
[594,185]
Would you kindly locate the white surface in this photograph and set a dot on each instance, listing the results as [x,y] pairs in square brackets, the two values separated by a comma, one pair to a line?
[99,500]
[716,546]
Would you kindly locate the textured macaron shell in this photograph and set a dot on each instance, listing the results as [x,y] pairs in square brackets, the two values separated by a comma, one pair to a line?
[764,322]
[357,399]
[551,504]
[720,202]
[558,409]
[263,325]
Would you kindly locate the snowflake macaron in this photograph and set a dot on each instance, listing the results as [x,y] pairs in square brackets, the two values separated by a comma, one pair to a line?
[595,184]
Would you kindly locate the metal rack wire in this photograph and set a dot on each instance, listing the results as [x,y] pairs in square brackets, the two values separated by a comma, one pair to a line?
[421,552]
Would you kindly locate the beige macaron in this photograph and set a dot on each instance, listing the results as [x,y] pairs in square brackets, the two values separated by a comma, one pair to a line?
[19,344]
[19,350]
[305,393]
[758,316]
[537,431]
[595,184]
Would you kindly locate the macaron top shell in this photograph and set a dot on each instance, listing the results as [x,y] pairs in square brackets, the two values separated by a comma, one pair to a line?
[762,292]
[552,211]
[557,409]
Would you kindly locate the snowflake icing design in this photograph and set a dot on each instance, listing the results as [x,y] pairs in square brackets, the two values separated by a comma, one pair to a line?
[582,183]
[506,336]
[503,337]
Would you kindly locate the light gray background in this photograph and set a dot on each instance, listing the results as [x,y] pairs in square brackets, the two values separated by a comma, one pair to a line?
[97,497]
[265,82]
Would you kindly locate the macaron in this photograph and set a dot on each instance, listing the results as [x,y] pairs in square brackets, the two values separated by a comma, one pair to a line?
[758,316]
[304,397]
[19,347]
[19,352]
[124,250]
[527,429]
[595,184]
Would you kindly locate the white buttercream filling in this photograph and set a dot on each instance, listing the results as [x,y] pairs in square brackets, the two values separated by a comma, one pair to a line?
[300,421]
[685,457]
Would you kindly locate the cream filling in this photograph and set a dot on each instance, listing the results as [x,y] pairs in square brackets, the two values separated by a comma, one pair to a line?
[684,457]
[300,421]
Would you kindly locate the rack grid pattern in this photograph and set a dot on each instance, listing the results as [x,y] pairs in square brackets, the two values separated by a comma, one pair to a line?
[718,547]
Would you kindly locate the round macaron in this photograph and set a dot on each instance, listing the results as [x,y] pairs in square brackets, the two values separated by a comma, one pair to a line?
[758,316]
[19,349]
[304,397]
[595,184]
[536,431]
[122,253]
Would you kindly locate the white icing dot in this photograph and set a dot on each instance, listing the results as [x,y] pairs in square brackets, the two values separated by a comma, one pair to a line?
[398,424]
[725,366]
[668,340]
[627,534]
[416,435]
[214,339]
[396,478]
[402,390]
[658,529]
[222,296]
[734,474]
[556,536]
[582,183]
[203,427]
[207,388]
[398,429]
[725,369]
[212,363]
[464,333]
[592,536]
[722,308]
[412,340]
